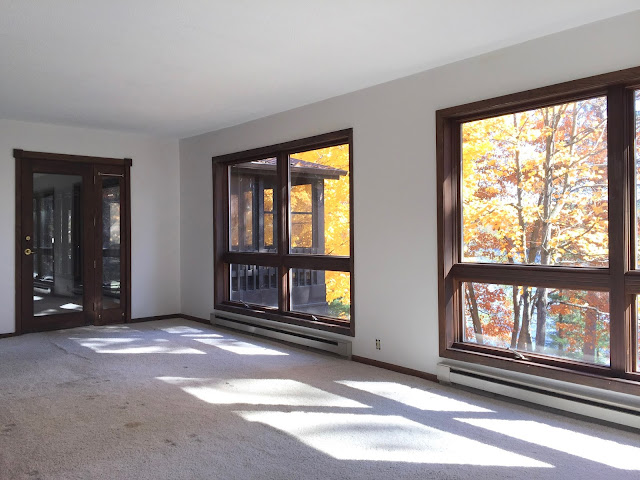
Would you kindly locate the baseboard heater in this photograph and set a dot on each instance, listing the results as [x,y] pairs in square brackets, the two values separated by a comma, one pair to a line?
[619,408]
[278,331]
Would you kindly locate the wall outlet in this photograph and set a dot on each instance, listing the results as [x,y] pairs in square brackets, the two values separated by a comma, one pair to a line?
[377,344]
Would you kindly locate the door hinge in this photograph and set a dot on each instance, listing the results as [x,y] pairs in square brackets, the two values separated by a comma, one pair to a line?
[94,306]
[94,264]
[94,221]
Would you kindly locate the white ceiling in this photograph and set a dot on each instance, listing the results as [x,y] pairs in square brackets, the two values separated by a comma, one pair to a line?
[182,67]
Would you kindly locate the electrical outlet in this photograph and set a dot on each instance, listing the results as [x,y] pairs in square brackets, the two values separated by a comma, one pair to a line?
[377,344]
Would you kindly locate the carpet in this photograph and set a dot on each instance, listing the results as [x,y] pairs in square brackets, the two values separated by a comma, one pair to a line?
[175,399]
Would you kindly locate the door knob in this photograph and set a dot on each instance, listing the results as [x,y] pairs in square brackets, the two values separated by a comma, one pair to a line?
[27,251]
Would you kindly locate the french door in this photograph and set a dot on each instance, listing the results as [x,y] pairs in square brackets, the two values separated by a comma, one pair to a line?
[72,241]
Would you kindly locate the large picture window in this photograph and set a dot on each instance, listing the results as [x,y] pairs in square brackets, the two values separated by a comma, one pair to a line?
[538,228]
[283,232]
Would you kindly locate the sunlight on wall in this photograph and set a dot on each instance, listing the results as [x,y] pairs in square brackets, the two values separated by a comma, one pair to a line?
[414,397]
[127,345]
[260,392]
[386,438]
[236,346]
[596,449]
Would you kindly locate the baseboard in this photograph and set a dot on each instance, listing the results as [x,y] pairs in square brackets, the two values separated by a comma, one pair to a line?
[7,335]
[157,317]
[395,368]
[195,319]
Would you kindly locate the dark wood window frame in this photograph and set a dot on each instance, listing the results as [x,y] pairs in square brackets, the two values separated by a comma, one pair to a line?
[282,259]
[621,279]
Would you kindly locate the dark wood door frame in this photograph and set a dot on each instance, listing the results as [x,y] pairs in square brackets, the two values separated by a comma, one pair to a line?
[96,166]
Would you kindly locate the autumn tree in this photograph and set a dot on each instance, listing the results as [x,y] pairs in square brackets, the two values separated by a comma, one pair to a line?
[534,191]
[335,200]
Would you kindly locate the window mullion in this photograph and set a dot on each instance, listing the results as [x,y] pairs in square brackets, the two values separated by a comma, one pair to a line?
[619,101]
[283,187]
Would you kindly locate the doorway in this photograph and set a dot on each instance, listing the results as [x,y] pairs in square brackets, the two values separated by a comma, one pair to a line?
[73,260]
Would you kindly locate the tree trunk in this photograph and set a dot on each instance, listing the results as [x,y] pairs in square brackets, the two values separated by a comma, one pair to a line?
[590,334]
[541,319]
[524,339]
[516,317]
[472,303]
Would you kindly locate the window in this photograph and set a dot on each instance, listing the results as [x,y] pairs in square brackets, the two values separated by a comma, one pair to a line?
[283,220]
[538,231]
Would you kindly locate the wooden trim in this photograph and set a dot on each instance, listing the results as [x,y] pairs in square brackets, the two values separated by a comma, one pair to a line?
[318,262]
[252,258]
[395,368]
[632,282]
[577,278]
[284,230]
[195,319]
[8,335]
[24,154]
[618,150]
[127,226]
[156,317]
[619,280]
[220,241]
[304,144]
[18,247]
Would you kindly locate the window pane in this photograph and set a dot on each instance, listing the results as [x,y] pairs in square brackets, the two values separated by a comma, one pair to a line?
[534,186]
[572,324]
[319,200]
[253,284]
[321,292]
[252,206]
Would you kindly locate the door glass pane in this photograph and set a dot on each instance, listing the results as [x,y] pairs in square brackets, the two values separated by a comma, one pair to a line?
[253,206]
[57,244]
[534,186]
[110,243]
[562,323]
[320,201]
[321,292]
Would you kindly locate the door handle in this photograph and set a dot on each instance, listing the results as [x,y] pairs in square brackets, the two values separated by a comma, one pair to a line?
[27,251]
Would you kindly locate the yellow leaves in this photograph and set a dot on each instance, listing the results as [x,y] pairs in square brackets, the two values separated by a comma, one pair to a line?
[335,202]
[268,200]
[533,181]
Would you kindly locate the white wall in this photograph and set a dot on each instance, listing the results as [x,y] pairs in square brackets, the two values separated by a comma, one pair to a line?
[155,208]
[394,177]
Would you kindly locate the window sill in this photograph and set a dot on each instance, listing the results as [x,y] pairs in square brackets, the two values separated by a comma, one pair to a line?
[334,326]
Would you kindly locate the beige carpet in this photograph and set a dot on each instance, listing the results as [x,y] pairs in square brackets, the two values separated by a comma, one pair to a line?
[180,400]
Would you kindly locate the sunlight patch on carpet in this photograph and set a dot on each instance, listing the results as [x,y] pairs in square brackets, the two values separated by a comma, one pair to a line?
[181,330]
[131,346]
[260,391]
[236,346]
[607,452]
[387,438]
[414,397]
